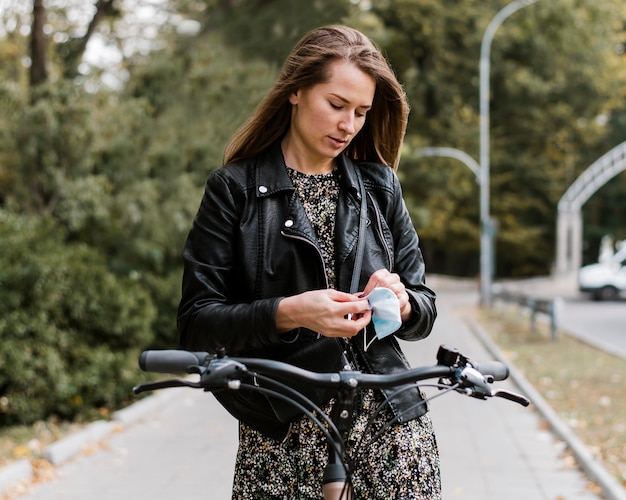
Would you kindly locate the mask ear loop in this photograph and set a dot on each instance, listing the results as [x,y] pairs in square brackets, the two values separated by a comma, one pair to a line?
[366,344]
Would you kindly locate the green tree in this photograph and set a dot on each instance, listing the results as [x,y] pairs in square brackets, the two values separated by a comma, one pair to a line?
[277,26]
[605,213]
[47,143]
[71,330]
[548,89]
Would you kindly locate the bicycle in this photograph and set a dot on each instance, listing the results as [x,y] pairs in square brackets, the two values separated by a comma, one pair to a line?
[217,372]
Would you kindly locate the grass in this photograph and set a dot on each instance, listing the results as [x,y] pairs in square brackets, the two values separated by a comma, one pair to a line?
[584,385]
[28,441]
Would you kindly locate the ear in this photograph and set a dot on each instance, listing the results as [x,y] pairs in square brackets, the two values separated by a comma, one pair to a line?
[294,98]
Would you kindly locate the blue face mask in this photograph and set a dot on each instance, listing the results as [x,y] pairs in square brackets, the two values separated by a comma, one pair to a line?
[385,311]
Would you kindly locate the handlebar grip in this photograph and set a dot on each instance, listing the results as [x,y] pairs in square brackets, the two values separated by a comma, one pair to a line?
[170,360]
[495,369]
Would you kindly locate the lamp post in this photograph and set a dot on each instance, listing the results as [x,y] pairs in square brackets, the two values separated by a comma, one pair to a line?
[486,222]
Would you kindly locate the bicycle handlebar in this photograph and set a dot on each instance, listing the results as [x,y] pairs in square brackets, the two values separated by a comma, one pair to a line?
[180,361]
[495,369]
[172,361]
[218,371]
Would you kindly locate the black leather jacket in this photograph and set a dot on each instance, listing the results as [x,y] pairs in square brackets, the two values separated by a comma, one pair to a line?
[251,244]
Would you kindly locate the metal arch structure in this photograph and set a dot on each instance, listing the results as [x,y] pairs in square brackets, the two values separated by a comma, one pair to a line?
[570,222]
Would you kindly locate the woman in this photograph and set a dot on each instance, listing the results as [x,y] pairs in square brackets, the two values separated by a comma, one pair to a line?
[270,257]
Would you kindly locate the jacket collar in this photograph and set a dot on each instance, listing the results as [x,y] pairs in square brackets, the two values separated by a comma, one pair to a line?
[272,176]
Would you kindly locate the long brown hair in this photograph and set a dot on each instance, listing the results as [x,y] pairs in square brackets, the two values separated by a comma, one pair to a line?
[381,137]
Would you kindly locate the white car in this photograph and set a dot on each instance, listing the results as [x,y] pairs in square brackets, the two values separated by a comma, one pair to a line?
[605,280]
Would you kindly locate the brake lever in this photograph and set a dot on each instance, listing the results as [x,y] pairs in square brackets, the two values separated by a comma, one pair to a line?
[511,396]
[164,384]
[481,389]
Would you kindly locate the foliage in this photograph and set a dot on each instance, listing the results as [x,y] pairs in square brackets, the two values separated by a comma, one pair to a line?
[604,215]
[277,26]
[98,187]
[546,110]
[70,328]
[53,137]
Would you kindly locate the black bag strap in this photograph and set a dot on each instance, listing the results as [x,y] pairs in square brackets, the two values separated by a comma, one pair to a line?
[360,244]
[343,409]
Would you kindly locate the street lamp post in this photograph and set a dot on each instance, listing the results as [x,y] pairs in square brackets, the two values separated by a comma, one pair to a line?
[486,222]
[457,154]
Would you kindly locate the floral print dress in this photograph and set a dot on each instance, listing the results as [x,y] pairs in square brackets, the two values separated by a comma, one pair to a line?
[402,464]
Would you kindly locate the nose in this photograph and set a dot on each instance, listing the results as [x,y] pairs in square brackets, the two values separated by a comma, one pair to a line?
[347,124]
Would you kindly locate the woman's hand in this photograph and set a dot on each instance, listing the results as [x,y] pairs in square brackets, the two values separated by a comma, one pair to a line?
[328,312]
[384,279]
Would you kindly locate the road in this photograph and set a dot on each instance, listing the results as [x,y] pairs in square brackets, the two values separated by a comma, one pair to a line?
[602,324]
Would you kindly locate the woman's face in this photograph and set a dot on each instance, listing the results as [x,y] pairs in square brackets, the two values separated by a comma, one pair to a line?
[327,116]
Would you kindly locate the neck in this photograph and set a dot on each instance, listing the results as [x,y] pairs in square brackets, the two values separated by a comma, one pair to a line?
[298,159]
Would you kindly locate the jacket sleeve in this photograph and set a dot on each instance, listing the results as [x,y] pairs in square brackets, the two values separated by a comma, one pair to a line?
[409,265]
[216,309]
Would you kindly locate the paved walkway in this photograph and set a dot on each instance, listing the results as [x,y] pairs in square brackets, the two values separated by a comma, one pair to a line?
[184,445]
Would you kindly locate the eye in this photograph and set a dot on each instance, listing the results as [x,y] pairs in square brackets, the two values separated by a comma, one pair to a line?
[335,106]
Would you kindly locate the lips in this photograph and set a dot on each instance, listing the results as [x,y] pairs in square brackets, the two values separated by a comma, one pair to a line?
[338,142]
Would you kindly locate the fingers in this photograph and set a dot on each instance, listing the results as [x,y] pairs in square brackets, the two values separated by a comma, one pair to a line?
[348,318]
[338,314]
[328,312]
[348,326]
[385,279]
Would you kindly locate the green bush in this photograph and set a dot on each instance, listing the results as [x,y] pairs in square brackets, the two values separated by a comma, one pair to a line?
[71,330]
